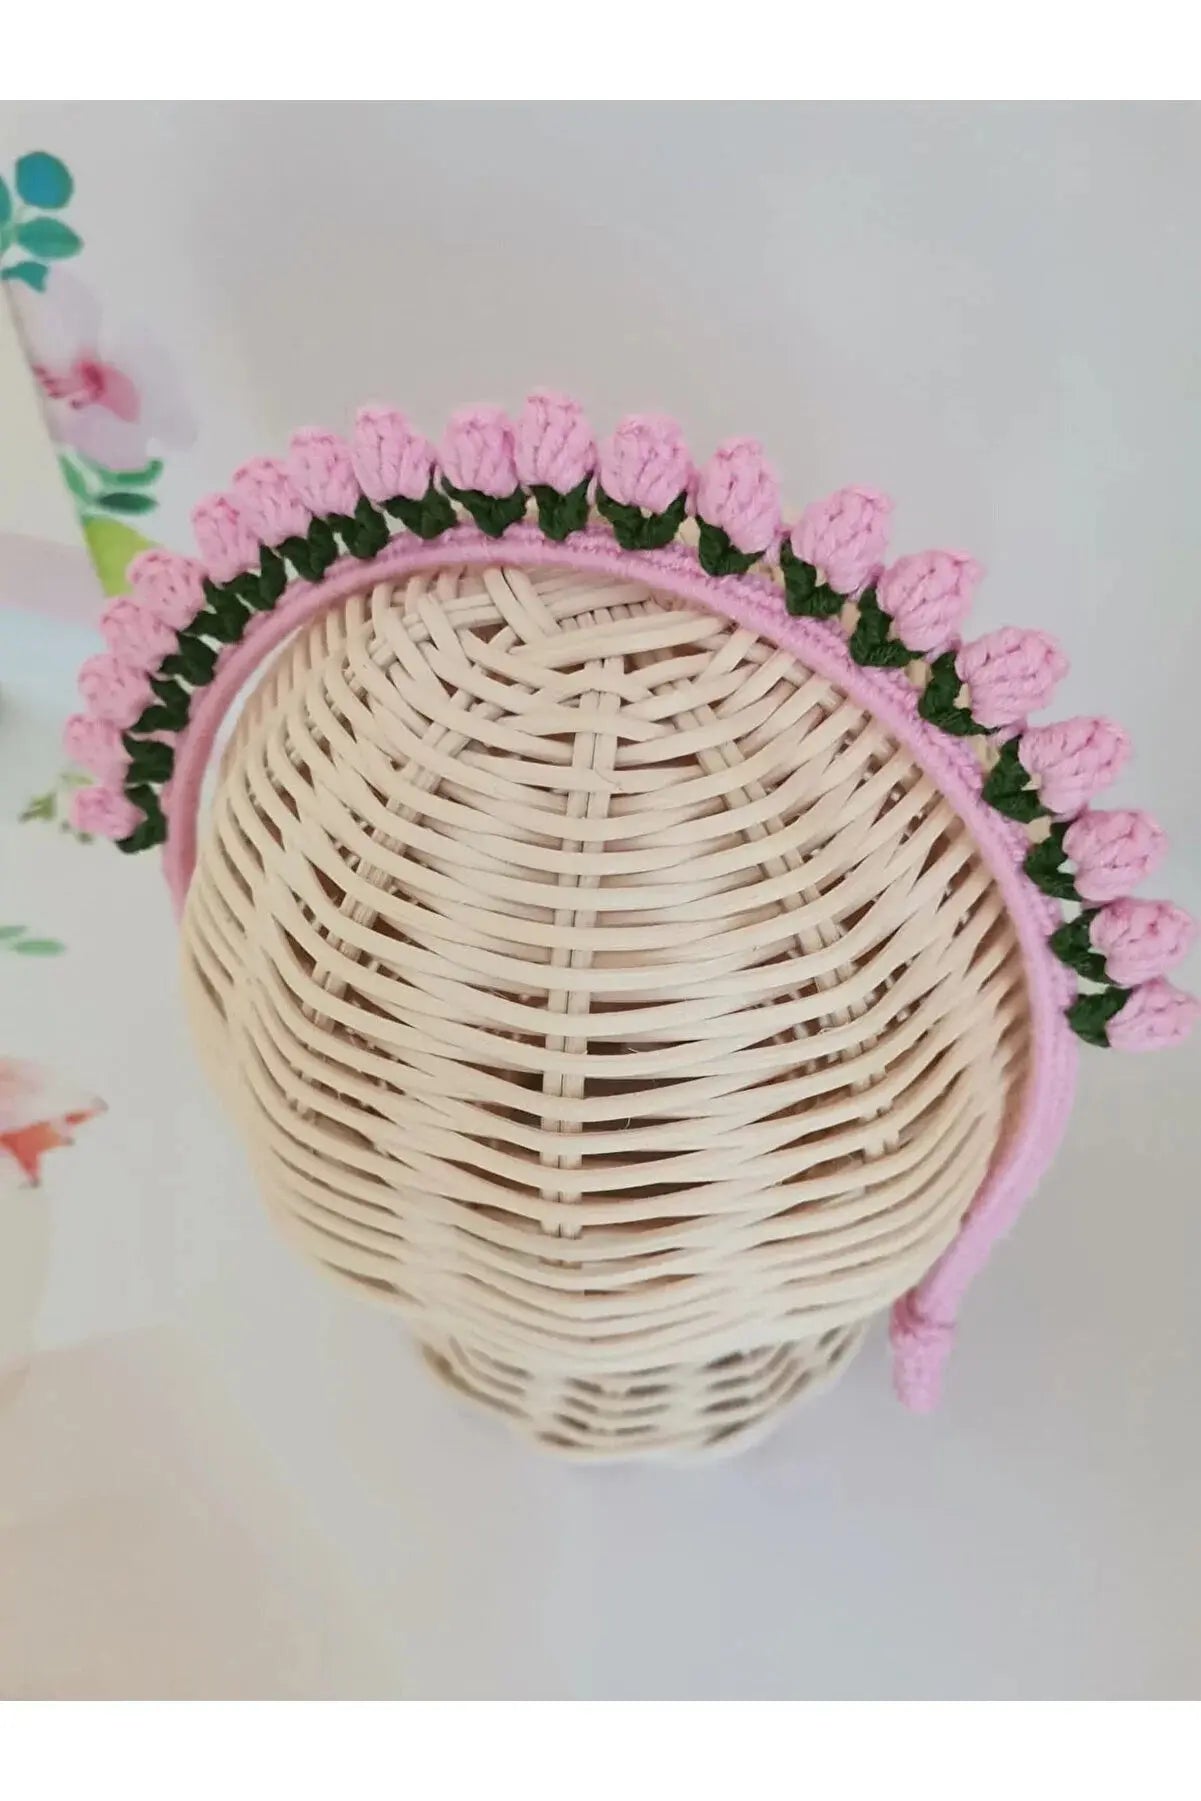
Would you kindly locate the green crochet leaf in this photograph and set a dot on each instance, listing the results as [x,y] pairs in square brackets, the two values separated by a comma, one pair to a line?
[150,761]
[273,579]
[311,555]
[428,517]
[153,828]
[871,641]
[561,514]
[718,556]
[193,659]
[1045,867]
[493,513]
[1007,788]
[636,530]
[940,701]
[1090,1015]
[365,533]
[804,596]
[1073,946]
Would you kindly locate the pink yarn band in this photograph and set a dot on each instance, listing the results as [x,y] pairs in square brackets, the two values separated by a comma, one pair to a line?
[923,1320]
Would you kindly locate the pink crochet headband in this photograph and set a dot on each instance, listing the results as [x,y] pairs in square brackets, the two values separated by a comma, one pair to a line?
[294,535]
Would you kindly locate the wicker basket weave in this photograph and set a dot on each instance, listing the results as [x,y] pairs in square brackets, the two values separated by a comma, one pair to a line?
[604,991]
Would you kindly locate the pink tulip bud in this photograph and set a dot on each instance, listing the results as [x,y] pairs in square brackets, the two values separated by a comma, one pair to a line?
[321,467]
[478,452]
[1073,760]
[391,459]
[1141,939]
[130,628]
[1010,673]
[226,543]
[555,447]
[646,463]
[96,746]
[1112,852]
[845,537]
[169,586]
[928,596]
[114,691]
[1155,1018]
[267,499]
[103,812]
[739,491]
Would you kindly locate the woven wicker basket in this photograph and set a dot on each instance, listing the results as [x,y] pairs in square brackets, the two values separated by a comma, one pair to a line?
[602,990]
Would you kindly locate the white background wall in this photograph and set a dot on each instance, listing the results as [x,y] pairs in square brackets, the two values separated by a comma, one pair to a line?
[990,311]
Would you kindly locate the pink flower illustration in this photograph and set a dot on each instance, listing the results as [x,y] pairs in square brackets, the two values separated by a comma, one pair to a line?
[39,1111]
[110,394]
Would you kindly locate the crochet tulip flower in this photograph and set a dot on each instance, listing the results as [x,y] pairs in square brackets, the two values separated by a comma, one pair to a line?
[738,506]
[927,597]
[1073,760]
[1010,673]
[395,466]
[645,480]
[479,468]
[1140,939]
[1155,1017]
[103,812]
[556,459]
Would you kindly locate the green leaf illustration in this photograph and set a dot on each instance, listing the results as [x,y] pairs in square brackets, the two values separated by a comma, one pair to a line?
[125,478]
[74,478]
[48,238]
[121,502]
[10,932]
[32,274]
[39,947]
[40,807]
[42,180]
[112,547]
[6,203]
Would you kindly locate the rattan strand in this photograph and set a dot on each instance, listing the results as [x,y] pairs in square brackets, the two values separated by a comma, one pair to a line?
[603,990]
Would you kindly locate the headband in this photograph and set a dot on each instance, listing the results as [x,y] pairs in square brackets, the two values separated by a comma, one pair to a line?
[292,536]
